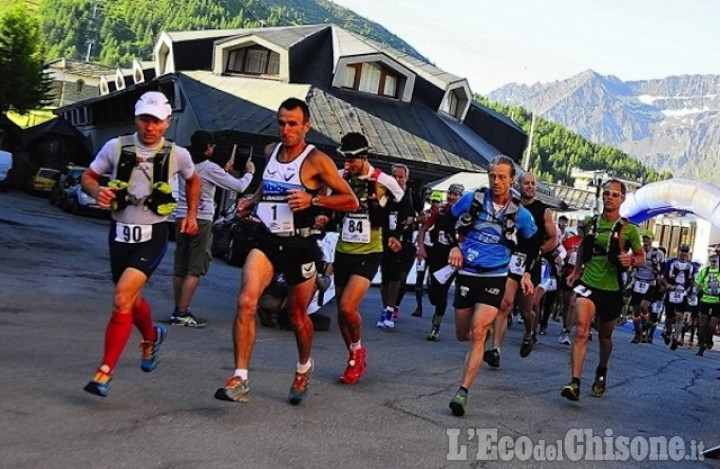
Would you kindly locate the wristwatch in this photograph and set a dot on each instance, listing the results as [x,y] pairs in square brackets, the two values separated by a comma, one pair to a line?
[315,201]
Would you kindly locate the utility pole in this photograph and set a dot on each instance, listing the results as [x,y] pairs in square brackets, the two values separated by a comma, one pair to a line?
[526,160]
[93,29]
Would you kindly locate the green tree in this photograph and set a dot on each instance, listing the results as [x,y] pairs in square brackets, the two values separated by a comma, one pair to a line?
[23,86]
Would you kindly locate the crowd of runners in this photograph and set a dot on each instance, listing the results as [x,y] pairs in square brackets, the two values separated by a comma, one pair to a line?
[503,250]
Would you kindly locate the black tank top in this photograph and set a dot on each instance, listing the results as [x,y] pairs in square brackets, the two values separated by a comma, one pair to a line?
[537,210]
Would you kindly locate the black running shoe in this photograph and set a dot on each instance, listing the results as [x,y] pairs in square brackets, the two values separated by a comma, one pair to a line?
[571,391]
[527,345]
[492,358]
[598,387]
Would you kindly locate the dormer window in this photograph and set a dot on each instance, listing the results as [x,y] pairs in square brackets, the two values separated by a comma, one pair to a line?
[456,101]
[254,60]
[371,77]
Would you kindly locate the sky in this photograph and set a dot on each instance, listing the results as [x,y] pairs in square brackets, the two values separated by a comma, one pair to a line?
[495,42]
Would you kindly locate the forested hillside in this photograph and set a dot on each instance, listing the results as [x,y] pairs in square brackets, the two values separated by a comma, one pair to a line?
[116,31]
[556,150]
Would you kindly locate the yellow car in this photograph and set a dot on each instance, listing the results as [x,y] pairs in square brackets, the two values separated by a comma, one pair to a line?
[44,180]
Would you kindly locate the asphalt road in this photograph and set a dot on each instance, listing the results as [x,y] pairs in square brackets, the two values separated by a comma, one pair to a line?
[55,295]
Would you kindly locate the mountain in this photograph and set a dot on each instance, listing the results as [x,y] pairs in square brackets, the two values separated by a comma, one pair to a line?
[671,124]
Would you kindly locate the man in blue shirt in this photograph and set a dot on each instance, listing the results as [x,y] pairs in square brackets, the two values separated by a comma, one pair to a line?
[489,223]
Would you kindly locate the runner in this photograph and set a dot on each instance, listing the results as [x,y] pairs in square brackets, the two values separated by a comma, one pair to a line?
[602,256]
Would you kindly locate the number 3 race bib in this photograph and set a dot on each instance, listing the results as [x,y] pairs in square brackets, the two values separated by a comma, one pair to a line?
[132,233]
[517,263]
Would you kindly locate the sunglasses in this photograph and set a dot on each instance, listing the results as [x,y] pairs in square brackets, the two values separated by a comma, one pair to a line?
[359,153]
[611,193]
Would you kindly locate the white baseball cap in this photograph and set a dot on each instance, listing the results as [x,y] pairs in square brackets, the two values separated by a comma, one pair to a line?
[153,103]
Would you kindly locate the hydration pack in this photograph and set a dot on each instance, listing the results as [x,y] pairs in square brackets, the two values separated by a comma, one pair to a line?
[468,219]
[613,248]
[366,191]
[161,200]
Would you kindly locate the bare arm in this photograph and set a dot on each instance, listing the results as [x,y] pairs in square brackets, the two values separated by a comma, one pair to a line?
[342,198]
[90,182]
[552,242]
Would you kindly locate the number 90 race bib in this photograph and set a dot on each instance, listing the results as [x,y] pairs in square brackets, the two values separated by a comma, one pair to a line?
[132,234]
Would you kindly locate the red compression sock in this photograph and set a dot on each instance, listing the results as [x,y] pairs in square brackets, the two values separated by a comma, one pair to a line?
[116,336]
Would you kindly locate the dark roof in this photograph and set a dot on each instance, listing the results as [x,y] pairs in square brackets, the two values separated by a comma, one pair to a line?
[408,132]
[56,126]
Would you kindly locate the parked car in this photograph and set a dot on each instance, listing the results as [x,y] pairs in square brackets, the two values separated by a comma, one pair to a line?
[78,202]
[43,181]
[6,164]
[69,177]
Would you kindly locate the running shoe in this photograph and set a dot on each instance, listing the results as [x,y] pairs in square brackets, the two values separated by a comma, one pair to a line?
[636,339]
[458,403]
[100,384]
[527,345]
[492,358]
[355,367]
[571,391]
[386,321]
[395,314]
[666,338]
[417,313]
[236,390]
[566,339]
[299,388]
[187,320]
[434,335]
[674,344]
[151,350]
[543,331]
[598,387]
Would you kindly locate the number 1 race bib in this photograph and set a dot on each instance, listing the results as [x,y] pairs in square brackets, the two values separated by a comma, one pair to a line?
[132,234]
[276,216]
[356,228]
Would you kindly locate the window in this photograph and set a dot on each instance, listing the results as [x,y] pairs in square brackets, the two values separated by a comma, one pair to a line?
[253,60]
[371,77]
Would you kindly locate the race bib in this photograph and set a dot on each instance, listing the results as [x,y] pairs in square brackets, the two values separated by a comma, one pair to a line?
[583,291]
[692,300]
[517,263]
[276,216]
[641,287]
[442,238]
[714,286]
[392,221]
[676,297]
[551,284]
[656,307]
[572,258]
[132,234]
[356,228]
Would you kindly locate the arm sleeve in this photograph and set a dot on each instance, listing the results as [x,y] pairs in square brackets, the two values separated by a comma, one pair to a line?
[392,185]
[227,181]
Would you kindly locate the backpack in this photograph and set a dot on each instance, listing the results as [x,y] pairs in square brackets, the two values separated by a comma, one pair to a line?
[367,191]
[467,220]
[161,200]
[613,248]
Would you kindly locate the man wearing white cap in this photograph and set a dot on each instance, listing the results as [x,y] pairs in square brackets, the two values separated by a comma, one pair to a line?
[140,199]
